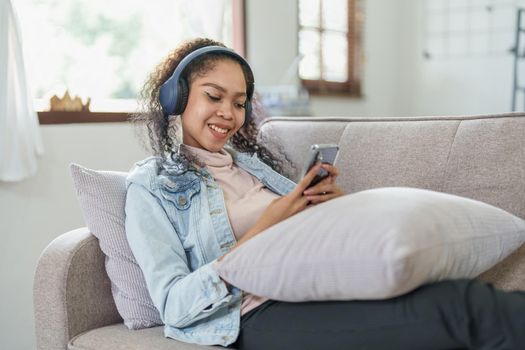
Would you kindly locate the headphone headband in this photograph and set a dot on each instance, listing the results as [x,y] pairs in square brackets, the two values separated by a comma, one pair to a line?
[173,94]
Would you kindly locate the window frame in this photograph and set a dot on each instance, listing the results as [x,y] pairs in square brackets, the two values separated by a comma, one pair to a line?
[63,117]
[352,86]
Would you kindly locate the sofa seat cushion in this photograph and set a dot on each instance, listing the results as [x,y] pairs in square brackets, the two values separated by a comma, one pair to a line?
[118,337]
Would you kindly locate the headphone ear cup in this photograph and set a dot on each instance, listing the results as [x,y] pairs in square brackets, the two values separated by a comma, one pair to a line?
[182,97]
[167,98]
[247,111]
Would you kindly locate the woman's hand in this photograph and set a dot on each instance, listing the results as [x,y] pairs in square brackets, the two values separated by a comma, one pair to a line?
[326,189]
[295,201]
[283,207]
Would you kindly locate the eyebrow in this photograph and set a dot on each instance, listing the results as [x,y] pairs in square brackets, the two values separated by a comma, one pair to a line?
[222,89]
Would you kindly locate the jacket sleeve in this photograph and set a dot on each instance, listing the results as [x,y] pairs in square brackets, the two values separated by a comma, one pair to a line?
[181,296]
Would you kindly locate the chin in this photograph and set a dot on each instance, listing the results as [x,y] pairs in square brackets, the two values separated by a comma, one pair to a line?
[215,148]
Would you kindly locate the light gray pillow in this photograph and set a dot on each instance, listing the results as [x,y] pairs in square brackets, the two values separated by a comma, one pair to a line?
[373,244]
[102,197]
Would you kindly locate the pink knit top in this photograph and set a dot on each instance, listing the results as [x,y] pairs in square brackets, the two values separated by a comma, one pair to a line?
[245,197]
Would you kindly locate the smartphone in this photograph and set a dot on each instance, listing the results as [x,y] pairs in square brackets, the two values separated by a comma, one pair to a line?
[324,153]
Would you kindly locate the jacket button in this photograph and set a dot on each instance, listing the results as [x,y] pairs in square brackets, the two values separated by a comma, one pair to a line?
[183,200]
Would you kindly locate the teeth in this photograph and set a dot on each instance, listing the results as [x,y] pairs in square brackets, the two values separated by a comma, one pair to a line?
[216,128]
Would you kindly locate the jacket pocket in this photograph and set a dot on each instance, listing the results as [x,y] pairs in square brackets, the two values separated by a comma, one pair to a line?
[180,193]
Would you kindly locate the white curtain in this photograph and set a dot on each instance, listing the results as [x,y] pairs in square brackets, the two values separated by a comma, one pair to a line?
[20,140]
[207,18]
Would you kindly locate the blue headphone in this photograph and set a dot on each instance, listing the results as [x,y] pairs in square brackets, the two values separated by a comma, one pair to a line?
[173,94]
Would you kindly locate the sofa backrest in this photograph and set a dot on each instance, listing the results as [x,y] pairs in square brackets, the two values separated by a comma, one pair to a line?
[480,157]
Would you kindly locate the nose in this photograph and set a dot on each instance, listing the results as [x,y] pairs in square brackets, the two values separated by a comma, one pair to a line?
[225,110]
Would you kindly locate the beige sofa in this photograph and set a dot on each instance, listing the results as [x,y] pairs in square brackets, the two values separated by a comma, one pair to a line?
[481,157]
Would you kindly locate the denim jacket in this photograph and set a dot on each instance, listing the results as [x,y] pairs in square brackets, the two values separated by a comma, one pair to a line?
[177,226]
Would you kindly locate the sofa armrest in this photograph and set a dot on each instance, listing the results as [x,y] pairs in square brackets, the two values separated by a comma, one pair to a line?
[71,292]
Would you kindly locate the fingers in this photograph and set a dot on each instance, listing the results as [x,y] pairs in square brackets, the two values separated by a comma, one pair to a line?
[323,191]
[332,170]
[326,181]
[301,203]
[293,204]
[305,181]
[320,198]
[320,188]
[325,185]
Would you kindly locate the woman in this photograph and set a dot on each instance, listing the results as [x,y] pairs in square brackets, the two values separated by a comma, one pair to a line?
[196,201]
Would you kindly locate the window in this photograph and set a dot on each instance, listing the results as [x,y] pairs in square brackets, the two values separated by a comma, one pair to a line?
[330,46]
[104,50]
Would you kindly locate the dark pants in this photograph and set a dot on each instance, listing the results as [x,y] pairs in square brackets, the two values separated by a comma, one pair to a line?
[446,315]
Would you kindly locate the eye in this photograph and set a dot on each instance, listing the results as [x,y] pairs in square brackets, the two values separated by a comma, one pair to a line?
[213,97]
[240,104]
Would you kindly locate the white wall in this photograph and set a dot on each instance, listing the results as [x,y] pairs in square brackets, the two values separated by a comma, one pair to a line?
[35,211]
[397,81]
[271,57]
[469,82]
[380,75]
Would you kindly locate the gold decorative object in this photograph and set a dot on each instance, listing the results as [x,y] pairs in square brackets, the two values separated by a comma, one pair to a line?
[68,104]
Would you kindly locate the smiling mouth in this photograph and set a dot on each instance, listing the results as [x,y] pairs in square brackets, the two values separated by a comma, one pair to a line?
[219,130]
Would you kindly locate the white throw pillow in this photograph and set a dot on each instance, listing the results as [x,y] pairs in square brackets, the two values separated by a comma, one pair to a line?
[373,244]
[102,196]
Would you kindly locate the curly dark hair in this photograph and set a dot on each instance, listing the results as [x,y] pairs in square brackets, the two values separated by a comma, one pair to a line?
[163,130]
